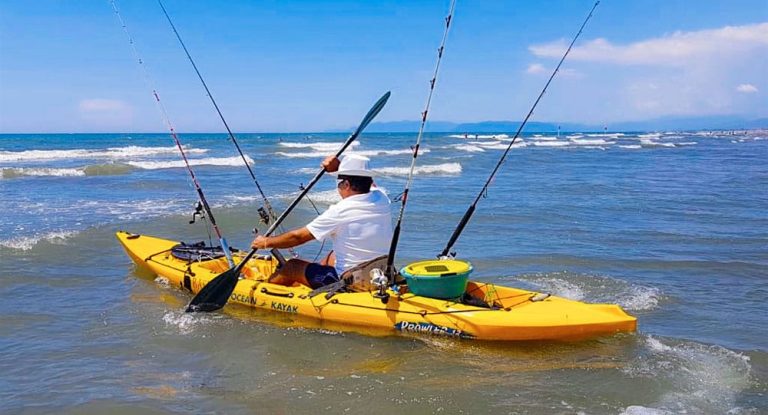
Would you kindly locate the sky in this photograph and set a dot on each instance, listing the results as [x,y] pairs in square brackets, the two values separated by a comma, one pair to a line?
[302,66]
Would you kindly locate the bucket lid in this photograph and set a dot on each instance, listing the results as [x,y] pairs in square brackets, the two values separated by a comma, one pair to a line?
[437,268]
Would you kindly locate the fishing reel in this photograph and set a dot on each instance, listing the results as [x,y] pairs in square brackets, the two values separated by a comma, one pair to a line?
[198,212]
[263,215]
[380,281]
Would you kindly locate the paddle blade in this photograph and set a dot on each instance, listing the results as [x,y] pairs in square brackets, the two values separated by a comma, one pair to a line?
[372,113]
[216,293]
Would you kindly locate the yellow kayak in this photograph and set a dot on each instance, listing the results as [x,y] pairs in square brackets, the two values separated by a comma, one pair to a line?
[498,313]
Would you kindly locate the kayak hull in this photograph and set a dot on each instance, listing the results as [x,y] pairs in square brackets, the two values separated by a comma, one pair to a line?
[518,314]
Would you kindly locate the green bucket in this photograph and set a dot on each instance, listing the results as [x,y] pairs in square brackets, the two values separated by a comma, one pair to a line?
[444,279]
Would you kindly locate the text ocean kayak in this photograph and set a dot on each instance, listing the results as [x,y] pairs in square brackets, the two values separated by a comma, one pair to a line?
[512,314]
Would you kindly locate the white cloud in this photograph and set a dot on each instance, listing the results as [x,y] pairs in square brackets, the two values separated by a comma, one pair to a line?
[101,105]
[539,69]
[691,73]
[746,88]
[535,68]
[676,49]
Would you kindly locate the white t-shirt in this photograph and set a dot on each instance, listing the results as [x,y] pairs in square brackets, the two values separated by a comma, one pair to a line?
[360,227]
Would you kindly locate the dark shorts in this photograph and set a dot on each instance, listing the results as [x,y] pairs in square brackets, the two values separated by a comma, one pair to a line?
[320,275]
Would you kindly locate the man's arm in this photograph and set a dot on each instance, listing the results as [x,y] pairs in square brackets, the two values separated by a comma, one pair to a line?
[288,239]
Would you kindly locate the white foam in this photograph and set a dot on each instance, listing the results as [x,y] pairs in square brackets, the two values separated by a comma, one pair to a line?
[186,323]
[607,135]
[445,168]
[562,288]
[110,153]
[543,138]
[39,172]
[551,143]
[702,378]
[632,146]
[25,243]
[639,298]
[503,146]
[172,164]
[650,143]
[319,146]
[588,142]
[367,153]
[468,147]
[650,135]
[687,143]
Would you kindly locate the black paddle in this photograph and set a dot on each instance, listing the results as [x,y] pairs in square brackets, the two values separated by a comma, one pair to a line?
[216,293]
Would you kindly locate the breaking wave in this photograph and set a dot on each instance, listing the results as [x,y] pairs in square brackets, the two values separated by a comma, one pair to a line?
[367,153]
[318,145]
[445,168]
[109,153]
[25,243]
[210,161]
[109,169]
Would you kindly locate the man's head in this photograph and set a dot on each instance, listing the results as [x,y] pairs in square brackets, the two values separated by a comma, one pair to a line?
[357,184]
[354,176]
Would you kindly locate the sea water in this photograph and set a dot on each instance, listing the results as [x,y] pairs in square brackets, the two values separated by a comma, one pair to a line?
[672,226]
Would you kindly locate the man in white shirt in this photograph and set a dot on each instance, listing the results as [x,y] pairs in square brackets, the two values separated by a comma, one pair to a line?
[360,226]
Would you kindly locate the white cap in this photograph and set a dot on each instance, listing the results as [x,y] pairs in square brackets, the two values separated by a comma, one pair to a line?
[354,165]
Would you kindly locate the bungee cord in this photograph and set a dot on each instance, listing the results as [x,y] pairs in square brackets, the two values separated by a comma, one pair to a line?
[172,130]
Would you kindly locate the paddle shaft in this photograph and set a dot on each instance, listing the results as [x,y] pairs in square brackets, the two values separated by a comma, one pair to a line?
[468,214]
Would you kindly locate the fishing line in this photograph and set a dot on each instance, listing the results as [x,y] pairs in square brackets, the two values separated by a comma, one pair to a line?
[271,212]
[471,209]
[390,270]
[172,130]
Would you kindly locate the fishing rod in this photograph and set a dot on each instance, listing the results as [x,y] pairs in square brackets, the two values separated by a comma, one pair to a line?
[471,209]
[390,269]
[216,293]
[172,130]
[271,212]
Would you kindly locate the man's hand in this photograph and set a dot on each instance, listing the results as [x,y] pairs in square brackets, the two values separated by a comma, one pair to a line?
[330,164]
[260,242]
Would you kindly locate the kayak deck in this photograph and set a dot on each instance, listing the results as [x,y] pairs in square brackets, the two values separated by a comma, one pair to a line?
[513,314]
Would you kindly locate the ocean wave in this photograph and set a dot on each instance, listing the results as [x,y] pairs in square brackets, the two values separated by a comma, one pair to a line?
[468,147]
[503,146]
[109,169]
[590,142]
[645,142]
[366,153]
[172,164]
[476,136]
[445,168]
[318,146]
[110,153]
[542,138]
[551,143]
[701,378]
[11,172]
[632,146]
[25,243]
